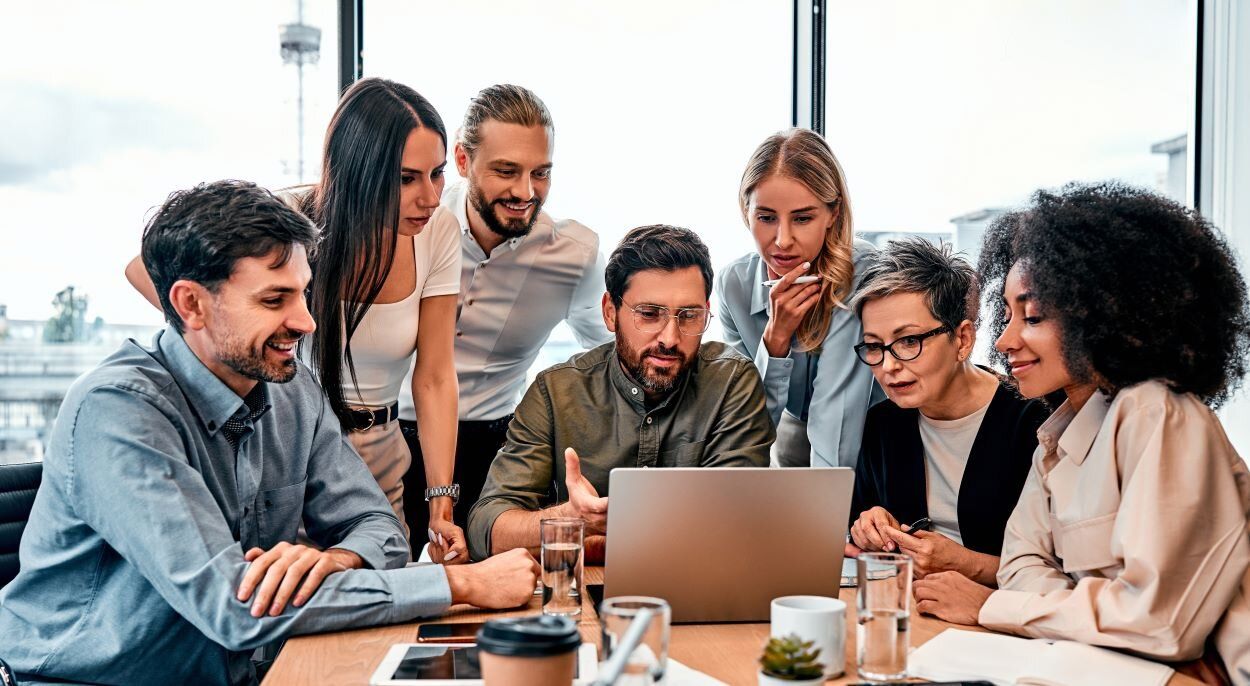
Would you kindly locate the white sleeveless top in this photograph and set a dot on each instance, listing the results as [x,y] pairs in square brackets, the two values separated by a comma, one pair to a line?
[386,340]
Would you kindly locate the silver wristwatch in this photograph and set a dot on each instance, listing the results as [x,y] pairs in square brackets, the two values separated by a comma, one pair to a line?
[452,491]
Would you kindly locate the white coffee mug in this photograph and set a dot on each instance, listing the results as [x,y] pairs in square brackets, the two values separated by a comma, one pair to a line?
[817,619]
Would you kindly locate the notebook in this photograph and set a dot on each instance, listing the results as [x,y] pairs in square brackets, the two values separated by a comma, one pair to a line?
[955,655]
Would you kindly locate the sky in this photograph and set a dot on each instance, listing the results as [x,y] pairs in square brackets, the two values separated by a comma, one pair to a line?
[935,109]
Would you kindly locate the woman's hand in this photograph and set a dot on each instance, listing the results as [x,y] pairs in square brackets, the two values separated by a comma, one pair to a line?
[790,304]
[447,542]
[869,531]
[951,596]
[931,552]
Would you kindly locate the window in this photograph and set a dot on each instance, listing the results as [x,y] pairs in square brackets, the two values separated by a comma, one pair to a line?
[657,104]
[944,114]
[110,107]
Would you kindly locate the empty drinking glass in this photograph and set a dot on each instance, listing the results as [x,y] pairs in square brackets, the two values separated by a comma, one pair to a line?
[649,660]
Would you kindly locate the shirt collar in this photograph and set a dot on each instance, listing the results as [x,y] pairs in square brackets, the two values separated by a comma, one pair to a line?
[635,394]
[759,292]
[209,396]
[459,202]
[1068,433]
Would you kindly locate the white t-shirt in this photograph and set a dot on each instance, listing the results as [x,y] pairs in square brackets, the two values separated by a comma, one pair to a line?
[946,447]
[386,340]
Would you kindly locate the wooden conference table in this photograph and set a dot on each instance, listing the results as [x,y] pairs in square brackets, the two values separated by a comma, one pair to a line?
[725,651]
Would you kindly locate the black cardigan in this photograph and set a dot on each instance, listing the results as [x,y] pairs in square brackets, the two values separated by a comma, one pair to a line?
[891,469]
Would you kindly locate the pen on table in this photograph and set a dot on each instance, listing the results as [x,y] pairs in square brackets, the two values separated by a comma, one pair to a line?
[802,279]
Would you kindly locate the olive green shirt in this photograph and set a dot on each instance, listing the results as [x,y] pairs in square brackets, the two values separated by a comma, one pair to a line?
[715,418]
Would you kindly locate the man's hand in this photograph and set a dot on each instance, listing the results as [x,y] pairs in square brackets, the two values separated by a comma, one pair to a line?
[790,304]
[279,571]
[583,498]
[932,552]
[868,532]
[951,596]
[499,582]
[447,542]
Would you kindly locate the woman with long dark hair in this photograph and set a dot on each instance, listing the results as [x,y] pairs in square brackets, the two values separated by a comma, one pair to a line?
[1133,528]
[383,289]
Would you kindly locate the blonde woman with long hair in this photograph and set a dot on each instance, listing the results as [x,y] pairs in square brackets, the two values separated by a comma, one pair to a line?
[785,304]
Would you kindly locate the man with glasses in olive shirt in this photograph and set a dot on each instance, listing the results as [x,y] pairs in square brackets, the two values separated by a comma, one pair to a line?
[655,397]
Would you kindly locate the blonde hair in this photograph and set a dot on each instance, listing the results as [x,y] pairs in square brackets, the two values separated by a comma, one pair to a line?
[503,103]
[803,155]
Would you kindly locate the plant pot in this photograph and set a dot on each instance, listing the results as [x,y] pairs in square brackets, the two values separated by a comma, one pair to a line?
[766,680]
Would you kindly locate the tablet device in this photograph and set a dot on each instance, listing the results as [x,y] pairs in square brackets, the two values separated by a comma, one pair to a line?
[434,664]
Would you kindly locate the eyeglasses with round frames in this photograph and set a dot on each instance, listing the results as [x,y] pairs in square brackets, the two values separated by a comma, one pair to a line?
[903,349]
[691,321]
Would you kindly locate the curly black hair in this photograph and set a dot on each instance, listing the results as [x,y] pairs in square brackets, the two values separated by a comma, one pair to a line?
[1142,287]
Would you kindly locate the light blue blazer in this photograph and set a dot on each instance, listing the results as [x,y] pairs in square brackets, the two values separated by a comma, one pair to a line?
[830,389]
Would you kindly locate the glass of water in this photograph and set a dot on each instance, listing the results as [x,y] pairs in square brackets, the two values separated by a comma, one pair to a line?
[883,606]
[649,660]
[562,560]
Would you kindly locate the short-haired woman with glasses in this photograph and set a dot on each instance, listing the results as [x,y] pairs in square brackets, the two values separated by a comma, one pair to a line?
[784,305]
[943,460]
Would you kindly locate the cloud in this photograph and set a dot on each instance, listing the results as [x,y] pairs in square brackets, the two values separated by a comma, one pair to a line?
[63,128]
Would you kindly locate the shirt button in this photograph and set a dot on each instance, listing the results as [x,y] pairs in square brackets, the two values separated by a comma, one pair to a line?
[648,420]
[469,301]
[634,391]
[459,333]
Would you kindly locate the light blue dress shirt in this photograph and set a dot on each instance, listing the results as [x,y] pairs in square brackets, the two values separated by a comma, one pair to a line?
[829,389]
[134,550]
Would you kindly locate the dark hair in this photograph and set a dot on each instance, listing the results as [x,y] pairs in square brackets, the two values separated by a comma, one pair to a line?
[663,247]
[199,234]
[1142,287]
[914,265]
[356,204]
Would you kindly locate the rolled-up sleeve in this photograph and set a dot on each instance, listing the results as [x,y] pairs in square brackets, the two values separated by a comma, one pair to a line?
[134,486]
[1179,536]
[520,475]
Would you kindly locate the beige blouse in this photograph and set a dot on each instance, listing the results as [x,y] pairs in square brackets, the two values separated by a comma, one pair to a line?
[1132,532]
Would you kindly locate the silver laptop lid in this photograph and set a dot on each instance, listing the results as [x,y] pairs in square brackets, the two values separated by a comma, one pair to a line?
[720,543]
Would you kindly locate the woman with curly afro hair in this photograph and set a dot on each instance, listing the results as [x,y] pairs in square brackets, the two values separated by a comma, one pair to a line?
[1132,530]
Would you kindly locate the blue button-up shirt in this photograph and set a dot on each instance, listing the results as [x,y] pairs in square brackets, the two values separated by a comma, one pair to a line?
[134,551]
[830,389]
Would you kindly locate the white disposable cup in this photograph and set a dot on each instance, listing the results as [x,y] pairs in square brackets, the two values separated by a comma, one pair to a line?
[817,619]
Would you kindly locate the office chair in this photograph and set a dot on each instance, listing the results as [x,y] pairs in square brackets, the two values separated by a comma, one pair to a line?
[18,483]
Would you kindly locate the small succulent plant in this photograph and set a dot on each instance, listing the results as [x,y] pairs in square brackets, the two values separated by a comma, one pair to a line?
[791,658]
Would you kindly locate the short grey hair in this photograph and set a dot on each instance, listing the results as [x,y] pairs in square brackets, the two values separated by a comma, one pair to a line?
[914,265]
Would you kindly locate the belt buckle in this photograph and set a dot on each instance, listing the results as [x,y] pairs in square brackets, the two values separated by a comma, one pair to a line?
[373,418]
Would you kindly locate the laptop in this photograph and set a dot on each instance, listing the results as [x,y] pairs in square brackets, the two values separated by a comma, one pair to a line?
[719,544]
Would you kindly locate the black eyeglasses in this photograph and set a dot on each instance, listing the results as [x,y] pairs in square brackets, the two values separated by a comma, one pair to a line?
[903,349]
[691,321]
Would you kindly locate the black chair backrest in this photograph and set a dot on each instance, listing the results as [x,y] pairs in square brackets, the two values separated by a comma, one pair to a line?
[18,483]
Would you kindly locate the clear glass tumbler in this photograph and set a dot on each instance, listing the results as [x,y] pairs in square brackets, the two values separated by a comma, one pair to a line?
[883,608]
[562,562]
[649,660]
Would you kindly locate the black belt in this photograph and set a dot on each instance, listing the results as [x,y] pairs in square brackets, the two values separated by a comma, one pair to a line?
[492,425]
[363,420]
